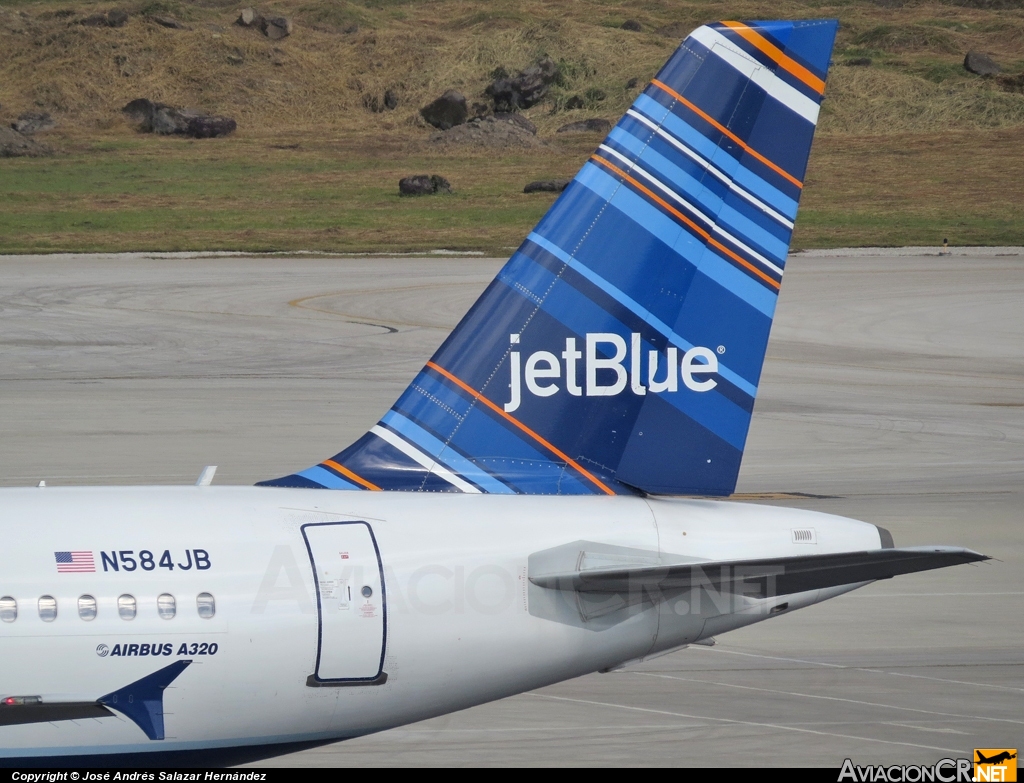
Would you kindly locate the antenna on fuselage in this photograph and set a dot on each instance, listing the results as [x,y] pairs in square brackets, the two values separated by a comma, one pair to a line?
[206,477]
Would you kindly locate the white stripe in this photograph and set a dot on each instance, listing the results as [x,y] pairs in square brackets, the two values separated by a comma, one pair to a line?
[725,49]
[708,221]
[711,169]
[431,464]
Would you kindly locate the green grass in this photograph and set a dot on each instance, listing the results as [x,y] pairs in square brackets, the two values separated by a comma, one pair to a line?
[147,193]
[940,72]
[192,199]
[829,228]
[913,189]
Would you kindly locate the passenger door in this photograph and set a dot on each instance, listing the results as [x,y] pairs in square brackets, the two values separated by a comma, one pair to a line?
[351,604]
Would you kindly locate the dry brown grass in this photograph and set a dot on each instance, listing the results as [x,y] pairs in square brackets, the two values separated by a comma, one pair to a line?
[888,101]
[317,79]
[148,193]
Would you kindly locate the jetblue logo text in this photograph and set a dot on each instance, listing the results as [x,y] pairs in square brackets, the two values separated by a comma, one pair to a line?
[545,373]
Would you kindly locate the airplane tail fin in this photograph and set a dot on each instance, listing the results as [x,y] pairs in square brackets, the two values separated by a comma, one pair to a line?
[620,348]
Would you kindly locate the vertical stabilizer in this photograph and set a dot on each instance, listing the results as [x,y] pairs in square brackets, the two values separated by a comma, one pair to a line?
[620,348]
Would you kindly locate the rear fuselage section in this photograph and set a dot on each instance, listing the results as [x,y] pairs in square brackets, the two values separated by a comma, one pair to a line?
[311,615]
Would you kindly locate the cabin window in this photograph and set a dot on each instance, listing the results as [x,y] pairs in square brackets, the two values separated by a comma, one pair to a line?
[206,605]
[87,607]
[8,609]
[126,606]
[165,606]
[47,608]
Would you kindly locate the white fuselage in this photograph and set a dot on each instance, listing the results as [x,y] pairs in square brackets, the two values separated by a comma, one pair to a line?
[454,623]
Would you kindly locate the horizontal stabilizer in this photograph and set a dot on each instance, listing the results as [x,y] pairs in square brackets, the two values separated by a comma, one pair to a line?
[766,577]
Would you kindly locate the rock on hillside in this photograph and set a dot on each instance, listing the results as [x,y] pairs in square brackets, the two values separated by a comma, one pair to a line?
[547,186]
[14,145]
[516,119]
[526,89]
[423,185]
[981,64]
[593,125]
[34,122]
[151,117]
[447,111]
[489,132]
[274,27]
[115,18]
[168,21]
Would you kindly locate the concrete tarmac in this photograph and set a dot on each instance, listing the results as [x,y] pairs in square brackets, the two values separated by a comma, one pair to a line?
[893,392]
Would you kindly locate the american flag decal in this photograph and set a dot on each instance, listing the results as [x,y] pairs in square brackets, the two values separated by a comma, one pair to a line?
[75,562]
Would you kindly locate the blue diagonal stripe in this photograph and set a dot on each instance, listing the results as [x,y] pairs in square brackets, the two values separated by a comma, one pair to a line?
[743,227]
[326,478]
[642,212]
[729,165]
[637,309]
[450,459]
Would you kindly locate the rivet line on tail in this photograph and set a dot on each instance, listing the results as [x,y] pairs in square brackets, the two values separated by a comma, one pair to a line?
[722,129]
[330,463]
[704,234]
[549,446]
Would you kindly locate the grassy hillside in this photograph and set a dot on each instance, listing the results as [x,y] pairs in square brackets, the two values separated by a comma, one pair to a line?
[910,148]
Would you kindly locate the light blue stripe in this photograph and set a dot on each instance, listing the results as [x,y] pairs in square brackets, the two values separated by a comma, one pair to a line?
[608,188]
[723,215]
[636,308]
[326,478]
[659,163]
[661,115]
[773,247]
[645,214]
[717,156]
[452,460]
[732,279]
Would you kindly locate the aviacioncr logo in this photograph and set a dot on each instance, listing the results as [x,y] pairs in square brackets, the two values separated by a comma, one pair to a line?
[608,377]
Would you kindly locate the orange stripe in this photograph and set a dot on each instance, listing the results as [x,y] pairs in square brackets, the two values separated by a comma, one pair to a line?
[346,472]
[707,237]
[722,129]
[523,427]
[776,54]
